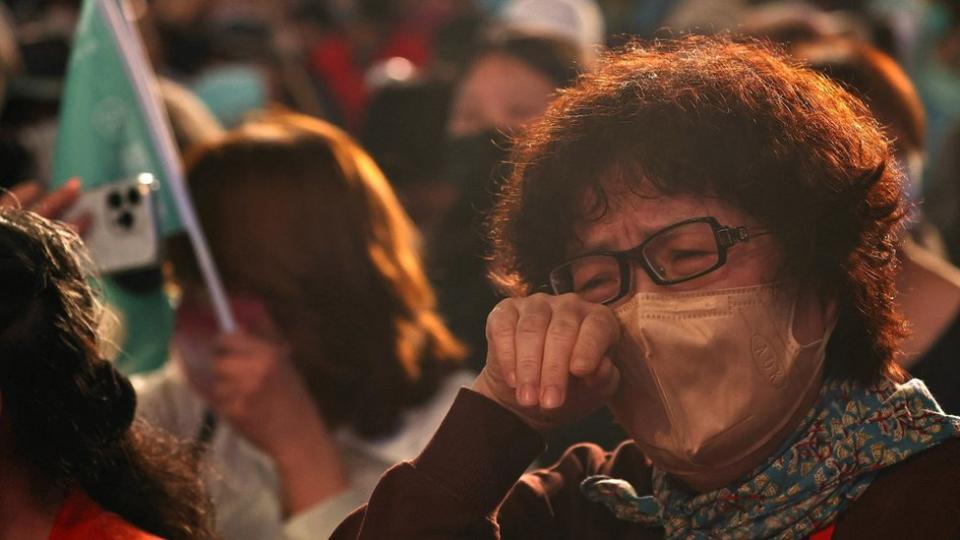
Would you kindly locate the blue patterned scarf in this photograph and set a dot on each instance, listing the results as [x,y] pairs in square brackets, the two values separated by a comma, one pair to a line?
[851,433]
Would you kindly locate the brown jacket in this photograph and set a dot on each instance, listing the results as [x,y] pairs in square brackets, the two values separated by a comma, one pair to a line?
[465,485]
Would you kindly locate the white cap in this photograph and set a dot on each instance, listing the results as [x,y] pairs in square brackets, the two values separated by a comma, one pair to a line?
[579,21]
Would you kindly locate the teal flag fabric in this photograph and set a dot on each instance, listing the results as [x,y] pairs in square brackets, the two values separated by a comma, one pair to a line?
[104,135]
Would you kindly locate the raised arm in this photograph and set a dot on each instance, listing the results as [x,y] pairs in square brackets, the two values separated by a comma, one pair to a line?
[547,365]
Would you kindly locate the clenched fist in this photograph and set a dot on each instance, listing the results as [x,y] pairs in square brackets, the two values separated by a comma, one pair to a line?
[548,358]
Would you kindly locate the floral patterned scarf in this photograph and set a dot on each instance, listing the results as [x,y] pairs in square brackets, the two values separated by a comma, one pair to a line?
[851,433]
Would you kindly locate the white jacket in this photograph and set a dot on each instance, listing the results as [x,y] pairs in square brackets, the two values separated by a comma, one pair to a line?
[242,480]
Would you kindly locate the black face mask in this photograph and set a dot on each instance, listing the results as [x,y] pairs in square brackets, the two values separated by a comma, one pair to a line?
[475,164]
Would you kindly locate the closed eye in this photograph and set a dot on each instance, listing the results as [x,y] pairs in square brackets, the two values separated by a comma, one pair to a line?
[595,283]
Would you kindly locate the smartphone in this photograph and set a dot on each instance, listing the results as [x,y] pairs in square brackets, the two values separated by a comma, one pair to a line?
[124,232]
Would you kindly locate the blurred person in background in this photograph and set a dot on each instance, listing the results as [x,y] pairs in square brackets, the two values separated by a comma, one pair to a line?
[505,69]
[936,68]
[356,35]
[795,22]
[718,228]
[507,84]
[35,59]
[226,63]
[928,286]
[942,191]
[405,132]
[239,57]
[937,74]
[74,463]
[342,366]
[28,127]
[578,22]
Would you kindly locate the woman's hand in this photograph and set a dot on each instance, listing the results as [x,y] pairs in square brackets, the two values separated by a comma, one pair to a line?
[31,196]
[252,384]
[548,358]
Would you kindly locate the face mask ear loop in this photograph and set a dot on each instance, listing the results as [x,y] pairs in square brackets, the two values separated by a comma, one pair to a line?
[826,335]
[822,342]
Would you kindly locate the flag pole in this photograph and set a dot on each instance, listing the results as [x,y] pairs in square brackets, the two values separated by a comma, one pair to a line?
[133,55]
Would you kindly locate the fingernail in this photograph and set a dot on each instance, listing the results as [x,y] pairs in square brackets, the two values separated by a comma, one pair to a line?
[512,379]
[527,396]
[551,398]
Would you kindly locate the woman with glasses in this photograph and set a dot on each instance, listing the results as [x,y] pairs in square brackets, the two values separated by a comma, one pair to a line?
[700,236]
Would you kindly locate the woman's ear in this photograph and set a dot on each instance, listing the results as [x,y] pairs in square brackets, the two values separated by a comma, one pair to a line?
[813,317]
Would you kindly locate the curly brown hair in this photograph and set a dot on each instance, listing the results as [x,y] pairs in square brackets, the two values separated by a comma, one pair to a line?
[69,415]
[733,119]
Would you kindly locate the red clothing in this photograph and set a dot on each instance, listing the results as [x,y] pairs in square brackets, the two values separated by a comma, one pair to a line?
[467,484]
[82,519]
[334,62]
[824,534]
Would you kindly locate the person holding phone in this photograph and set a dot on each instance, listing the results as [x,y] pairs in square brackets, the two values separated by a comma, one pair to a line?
[53,205]
[341,366]
[700,236]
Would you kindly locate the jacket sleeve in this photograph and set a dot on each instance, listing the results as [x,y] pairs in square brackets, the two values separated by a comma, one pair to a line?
[453,489]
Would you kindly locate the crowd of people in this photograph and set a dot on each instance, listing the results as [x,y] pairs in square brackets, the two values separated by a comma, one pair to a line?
[500,269]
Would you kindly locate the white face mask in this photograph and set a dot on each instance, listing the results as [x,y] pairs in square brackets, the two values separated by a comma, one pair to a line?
[712,382]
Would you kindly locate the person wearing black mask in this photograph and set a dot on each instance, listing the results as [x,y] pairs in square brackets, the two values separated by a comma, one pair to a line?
[506,84]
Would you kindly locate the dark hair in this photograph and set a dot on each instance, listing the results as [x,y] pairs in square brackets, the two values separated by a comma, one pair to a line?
[71,414]
[875,78]
[403,129]
[735,120]
[556,59]
[301,217]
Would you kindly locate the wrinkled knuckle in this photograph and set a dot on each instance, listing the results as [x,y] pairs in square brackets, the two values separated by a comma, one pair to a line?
[536,303]
[533,323]
[603,322]
[554,372]
[501,333]
[504,306]
[528,363]
[568,302]
[589,344]
[564,327]
[501,320]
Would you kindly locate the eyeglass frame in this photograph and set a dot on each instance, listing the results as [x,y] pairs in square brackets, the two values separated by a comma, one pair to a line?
[726,237]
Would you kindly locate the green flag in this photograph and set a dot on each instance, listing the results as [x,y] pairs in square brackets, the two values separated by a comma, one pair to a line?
[106,134]
[113,127]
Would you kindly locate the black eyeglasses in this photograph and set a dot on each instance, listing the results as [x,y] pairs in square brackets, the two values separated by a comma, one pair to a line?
[677,253]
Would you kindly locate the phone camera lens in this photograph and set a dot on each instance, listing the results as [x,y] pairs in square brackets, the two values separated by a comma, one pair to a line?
[114,200]
[134,196]
[125,220]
